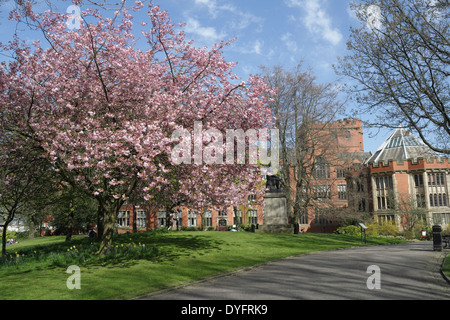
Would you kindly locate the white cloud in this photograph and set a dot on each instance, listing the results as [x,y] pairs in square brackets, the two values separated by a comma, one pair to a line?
[255,47]
[214,8]
[289,42]
[238,19]
[316,20]
[206,33]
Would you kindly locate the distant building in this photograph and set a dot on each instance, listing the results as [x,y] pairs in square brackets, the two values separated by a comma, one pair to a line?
[17,225]
[149,218]
[407,177]
[403,176]
[339,146]
[342,146]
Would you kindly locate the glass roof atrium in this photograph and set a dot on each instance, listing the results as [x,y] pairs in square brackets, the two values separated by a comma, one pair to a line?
[402,145]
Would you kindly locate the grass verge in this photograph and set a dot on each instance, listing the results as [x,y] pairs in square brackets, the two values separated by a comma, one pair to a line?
[146,262]
[446,266]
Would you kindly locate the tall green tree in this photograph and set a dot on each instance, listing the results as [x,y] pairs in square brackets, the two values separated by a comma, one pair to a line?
[72,210]
[24,178]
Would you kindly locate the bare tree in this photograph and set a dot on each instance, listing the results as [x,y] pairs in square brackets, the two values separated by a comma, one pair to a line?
[303,110]
[399,59]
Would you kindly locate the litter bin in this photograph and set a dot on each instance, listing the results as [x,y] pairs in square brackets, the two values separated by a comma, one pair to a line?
[437,238]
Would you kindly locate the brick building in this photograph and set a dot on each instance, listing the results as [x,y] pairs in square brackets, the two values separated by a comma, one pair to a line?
[401,177]
[341,147]
[408,178]
[344,148]
[148,218]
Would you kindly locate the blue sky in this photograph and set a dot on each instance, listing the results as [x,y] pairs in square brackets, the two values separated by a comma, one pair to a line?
[267,32]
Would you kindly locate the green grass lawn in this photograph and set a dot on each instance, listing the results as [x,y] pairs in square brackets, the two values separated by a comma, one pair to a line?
[145,262]
[446,266]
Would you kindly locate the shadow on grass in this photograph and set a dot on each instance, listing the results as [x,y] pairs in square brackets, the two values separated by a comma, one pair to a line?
[127,250]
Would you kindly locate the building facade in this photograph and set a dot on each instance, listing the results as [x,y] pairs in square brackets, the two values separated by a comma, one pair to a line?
[319,192]
[147,218]
[327,191]
[401,182]
[409,181]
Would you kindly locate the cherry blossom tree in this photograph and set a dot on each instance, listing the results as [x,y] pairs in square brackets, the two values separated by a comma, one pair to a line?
[102,110]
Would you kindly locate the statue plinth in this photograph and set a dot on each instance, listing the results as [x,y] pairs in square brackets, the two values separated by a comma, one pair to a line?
[275,219]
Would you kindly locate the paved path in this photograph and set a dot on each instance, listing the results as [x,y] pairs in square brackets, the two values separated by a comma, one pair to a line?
[407,272]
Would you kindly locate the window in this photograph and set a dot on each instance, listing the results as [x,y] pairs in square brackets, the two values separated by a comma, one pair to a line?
[384,202]
[418,180]
[321,217]
[341,173]
[322,169]
[222,213]
[384,187]
[123,219]
[304,216]
[192,218]
[420,200]
[140,219]
[384,182]
[208,218]
[381,203]
[362,205]
[441,218]
[386,218]
[342,192]
[237,217]
[322,192]
[252,217]
[178,218]
[436,179]
[438,200]
[359,186]
[161,219]
[252,198]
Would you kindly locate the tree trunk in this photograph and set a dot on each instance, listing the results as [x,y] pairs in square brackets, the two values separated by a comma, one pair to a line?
[108,232]
[8,220]
[70,224]
[134,219]
[5,226]
[100,221]
[110,213]
[169,217]
[35,228]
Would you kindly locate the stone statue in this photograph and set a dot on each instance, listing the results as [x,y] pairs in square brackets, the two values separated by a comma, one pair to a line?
[273,184]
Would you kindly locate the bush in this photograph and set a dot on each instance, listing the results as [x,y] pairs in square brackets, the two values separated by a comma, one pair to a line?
[416,233]
[11,235]
[349,230]
[372,229]
[386,229]
[189,229]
